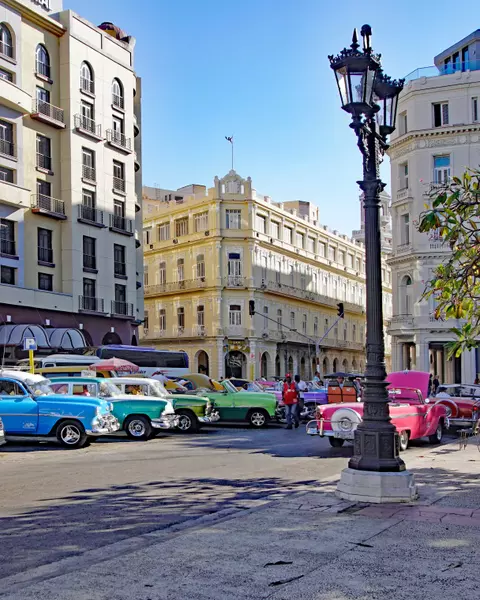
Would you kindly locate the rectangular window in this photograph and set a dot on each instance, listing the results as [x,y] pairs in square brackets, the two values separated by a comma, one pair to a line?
[465,59]
[43,100]
[234,217]
[145,276]
[201,221]
[162,319]
[405,231]
[403,124]
[180,269]
[147,236]
[261,223]
[6,138]
[119,263]
[341,257]
[6,75]
[88,117]
[301,240]
[120,298]
[315,326]
[7,275]
[441,169]
[181,227]
[311,245]
[475,109]
[201,315]
[234,267]
[304,324]
[275,230]
[44,243]
[7,175]
[118,176]
[325,326]
[145,320]
[118,129]
[89,253]
[447,65]
[265,317]
[7,237]
[292,320]
[456,61]
[235,315]
[181,318]
[350,261]
[403,176]
[89,289]
[279,319]
[322,249]
[162,273]
[44,152]
[200,267]
[45,282]
[332,253]
[163,232]
[88,164]
[119,211]
[440,114]
[357,265]
[287,235]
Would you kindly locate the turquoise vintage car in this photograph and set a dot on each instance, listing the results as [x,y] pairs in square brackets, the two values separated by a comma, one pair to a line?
[193,411]
[255,408]
[139,416]
[29,408]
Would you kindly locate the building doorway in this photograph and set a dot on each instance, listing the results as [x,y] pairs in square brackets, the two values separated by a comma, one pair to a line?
[235,364]
[202,362]
[264,365]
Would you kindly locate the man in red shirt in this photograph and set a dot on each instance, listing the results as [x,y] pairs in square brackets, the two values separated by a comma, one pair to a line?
[290,399]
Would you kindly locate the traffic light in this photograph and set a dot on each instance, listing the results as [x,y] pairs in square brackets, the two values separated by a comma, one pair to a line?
[340,311]
[251,307]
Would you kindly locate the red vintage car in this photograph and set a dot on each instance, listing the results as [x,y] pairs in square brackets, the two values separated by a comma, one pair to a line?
[462,402]
[413,415]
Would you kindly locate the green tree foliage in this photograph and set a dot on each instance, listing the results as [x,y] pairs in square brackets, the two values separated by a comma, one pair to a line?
[453,215]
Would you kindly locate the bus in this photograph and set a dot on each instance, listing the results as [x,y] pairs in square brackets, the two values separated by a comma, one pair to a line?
[150,360]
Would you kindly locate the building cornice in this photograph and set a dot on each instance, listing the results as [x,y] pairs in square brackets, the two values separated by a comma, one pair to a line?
[423,256]
[43,21]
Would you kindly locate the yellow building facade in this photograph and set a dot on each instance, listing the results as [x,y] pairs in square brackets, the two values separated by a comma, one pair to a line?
[208,253]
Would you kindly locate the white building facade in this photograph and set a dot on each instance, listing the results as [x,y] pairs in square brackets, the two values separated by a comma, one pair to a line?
[437,137]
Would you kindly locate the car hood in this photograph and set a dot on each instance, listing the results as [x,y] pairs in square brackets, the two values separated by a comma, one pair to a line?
[130,398]
[200,400]
[410,379]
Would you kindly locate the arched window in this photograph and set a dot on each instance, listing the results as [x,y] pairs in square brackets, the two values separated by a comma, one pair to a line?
[42,61]
[87,83]
[117,94]
[6,41]
[406,296]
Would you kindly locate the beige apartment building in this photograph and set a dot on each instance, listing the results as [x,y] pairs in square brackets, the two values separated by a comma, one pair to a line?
[208,253]
[437,137]
[70,180]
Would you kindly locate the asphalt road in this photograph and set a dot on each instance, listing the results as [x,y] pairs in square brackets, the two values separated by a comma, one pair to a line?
[57,503]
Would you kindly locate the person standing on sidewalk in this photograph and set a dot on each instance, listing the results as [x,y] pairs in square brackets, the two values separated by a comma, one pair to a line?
[290,398]
[436,384]
[301,389]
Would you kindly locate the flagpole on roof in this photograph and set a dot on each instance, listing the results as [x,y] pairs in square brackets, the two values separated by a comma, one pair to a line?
[230,139]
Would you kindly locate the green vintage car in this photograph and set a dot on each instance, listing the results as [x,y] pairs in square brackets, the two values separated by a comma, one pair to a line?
[255,408]
[139,416]
[193,411]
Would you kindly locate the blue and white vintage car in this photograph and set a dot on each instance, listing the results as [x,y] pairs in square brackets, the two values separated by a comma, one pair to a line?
[30,409]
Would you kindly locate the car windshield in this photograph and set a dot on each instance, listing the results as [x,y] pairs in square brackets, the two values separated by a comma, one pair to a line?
[155,388]
[108,390]
[229,387]
[40,388]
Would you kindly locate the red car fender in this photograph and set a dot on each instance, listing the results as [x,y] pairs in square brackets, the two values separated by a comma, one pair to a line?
[449,403]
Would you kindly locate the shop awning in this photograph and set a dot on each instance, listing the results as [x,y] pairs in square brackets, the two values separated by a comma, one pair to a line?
[64,338]
[13,335]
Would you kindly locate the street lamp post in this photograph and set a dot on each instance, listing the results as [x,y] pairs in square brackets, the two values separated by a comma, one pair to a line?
[375,472]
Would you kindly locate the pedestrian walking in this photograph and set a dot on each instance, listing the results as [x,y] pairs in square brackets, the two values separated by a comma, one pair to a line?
[436,384]
[430,385]
[301,389]
[290,398]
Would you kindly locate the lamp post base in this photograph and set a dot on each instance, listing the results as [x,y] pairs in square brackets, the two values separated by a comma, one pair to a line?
[377,487]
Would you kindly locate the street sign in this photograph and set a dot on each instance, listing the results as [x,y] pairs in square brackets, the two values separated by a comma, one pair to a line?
[30,344]
[89,373]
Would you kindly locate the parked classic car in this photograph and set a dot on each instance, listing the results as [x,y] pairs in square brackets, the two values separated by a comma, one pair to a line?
[193,411]
[413,416]
[139,416]
[2,433]
[462,403]
[254,408]
[30,408]
[314,396]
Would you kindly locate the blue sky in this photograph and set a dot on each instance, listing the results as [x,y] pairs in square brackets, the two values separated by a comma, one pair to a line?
[258,69]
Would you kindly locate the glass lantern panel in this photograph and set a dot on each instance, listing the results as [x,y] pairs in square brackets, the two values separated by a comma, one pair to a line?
[357,82]
[342,82]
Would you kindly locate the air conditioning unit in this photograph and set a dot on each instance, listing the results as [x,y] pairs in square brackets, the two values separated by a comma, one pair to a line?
[175,241]
[151,246]
[271,240]
[265,336]
[207,233]
[263,286]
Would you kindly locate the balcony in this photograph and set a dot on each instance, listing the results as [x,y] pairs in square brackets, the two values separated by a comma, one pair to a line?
[152,334]
[7,148]
[15,97]
[175,286]
[120,269]
[179,331]
[48,113]
[44,163]
[122,309]
[48,206]
[88,127]
[450,69]
[89,174]
[45,255]
[403,249]
[199,330]
[235,281]
[7,248]
[118,140]
[87,86]
[403,194]
[402,321]
[121,225]
[119,185]
[90,216]
[90,304]
[117,101]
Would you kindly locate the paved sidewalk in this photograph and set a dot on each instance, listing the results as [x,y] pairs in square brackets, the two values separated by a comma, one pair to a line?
[307,545]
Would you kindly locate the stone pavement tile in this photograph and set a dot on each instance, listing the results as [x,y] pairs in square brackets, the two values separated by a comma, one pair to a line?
[454,519]
[377,512]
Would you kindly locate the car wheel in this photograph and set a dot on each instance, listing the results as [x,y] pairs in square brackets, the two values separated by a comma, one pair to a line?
[404,438]
[436,437]
[187,421]
[138,428]
[71,434]
[258,418]
[336,442]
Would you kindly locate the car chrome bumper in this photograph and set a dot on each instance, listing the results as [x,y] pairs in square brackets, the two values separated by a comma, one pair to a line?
[104,426]
[165,422]
[317,428]
[213,417]
[461,422]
